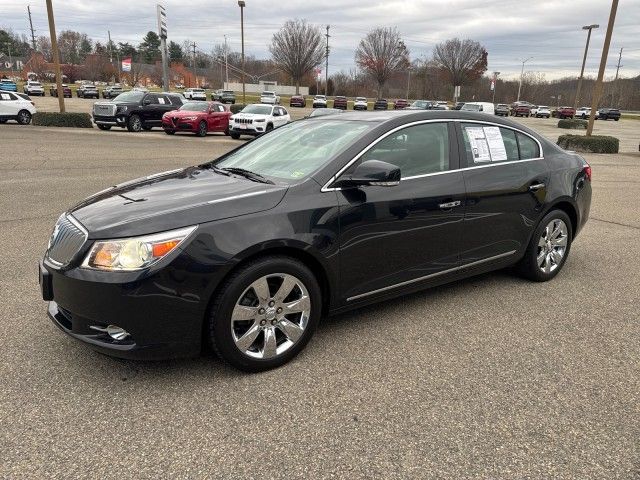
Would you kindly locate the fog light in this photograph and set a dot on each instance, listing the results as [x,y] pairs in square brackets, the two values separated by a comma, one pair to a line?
[115,332]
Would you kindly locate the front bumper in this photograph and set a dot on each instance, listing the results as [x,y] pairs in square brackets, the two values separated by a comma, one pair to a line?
[117,121]
[163,321]
[251,129]
[184,126]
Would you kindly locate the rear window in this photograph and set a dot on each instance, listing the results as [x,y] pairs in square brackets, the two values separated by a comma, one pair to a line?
[486,144]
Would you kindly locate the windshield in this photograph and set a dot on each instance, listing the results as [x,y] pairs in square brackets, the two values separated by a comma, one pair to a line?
[268,94]
[361,99]
[296,150]
[320,97]
[542,106]
[471,107]
[228,92]
[419,104]
[259,109]
[195,107]
[132,96]
[35,84]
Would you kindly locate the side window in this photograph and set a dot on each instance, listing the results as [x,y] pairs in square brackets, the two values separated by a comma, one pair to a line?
[6,96]
[162,100]
[491,144]
[220,108]
[417,150]
[152,98]
[528,147]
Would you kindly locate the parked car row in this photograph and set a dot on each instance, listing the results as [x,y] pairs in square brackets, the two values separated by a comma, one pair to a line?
[341,102]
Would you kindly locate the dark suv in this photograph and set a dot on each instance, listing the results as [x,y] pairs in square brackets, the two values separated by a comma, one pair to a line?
[135,110]
[608,113]
[381,104]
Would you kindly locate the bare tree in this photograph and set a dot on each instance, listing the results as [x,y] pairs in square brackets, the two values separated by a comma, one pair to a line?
[460,61]
[296,49]
[381,54]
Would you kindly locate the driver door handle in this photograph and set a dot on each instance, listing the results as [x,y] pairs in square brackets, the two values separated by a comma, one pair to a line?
[448,205]
[536,186]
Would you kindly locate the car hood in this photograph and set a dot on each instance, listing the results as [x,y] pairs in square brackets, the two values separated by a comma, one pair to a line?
[183,113]
[250,115]
[173,199]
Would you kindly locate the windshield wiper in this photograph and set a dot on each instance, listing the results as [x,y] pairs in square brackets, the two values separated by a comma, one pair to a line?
[220,171]
[256,177]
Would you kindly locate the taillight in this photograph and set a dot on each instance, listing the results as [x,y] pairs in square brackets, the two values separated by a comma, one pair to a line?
[587,171]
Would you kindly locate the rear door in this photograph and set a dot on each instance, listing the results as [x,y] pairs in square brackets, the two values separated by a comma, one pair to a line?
[400,235]
[506,180]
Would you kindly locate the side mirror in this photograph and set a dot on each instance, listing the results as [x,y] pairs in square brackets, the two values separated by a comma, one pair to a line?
[371,172]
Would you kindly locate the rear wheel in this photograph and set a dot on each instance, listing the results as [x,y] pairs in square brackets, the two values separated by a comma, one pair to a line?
[265,313]
[104,127]
[134,124]
[202,129]
[549,247]
[24,117]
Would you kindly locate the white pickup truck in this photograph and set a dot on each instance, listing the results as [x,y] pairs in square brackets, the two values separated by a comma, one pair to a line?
[269,97]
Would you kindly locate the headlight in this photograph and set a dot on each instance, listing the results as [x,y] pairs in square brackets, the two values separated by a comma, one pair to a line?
[259,120]
[189,118]
[122,108]
[232,118]
[136,253]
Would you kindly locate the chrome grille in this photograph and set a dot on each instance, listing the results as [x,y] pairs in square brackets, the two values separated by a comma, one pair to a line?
[243,120]
[106,109]
[67,239]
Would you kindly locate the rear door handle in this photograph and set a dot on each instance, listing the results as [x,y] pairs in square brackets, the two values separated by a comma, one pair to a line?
[536,186]
[448,205]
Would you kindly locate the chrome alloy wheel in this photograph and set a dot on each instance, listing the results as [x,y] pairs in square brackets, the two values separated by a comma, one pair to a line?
[270,316]
[552,245]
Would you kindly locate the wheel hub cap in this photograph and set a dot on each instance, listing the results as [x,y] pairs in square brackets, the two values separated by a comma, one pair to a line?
[552,246]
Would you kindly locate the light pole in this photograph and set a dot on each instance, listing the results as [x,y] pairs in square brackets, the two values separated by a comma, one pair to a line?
[408,82]
[10,59]
[522,75]
[241,4]
[584,60]
[495,85]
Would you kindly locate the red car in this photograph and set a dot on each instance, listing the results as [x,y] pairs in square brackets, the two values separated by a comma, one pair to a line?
[564,112]
[340,102]
[66,91]
[197,117]
[521,111]
[297,101]
[400,104]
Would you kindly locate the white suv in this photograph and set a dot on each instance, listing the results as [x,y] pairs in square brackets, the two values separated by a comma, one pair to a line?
[14,107]
[34,88]
[584,113]
[270,98]
[195,94]
[541,111]
[257,119]
[360,103]
[319,101]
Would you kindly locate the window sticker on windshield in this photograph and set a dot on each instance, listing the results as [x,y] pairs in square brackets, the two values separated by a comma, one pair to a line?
[496,144]
[479,145]
[161,100]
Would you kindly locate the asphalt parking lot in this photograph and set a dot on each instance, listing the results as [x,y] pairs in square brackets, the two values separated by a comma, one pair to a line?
[492,377]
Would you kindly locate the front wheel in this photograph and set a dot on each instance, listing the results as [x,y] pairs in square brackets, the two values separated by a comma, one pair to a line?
[235,136]
[549,247]
[134,124]
[202,129]
[170,132]
[265,313]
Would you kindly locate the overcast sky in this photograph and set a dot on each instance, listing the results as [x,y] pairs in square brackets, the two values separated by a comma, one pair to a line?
[511,30]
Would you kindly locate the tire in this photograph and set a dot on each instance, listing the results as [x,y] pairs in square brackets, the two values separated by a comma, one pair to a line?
[3,120]
[23,117]
[263,320]
[104,127]
[226,131]
[269,128]
[170,132]
[616,119]
[202,129]
[538,269]
[134,124]
[235,136]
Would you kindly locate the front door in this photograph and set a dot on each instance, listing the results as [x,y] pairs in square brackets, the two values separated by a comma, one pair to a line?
[506,180]
[401,234]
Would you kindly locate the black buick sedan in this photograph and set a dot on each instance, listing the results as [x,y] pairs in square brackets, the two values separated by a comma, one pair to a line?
[247,252]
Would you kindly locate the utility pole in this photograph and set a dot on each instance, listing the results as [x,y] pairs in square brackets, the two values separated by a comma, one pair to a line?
[193,64]
[33,32]
[495,85]
[241,4]
[8,44]
[408,81]
[597,91]
[326,67]
[522,75]
[109,46]
[615,81]
[162,31]
[56,56]
[226,64]
[584,60]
